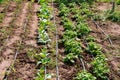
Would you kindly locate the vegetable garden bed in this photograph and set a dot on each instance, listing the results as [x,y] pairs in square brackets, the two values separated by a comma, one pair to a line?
[59,40]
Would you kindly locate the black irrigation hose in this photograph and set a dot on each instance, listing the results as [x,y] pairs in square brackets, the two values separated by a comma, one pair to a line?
[57,69]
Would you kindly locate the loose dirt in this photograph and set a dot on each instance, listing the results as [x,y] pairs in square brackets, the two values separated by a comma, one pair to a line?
[104,6]
[25,68]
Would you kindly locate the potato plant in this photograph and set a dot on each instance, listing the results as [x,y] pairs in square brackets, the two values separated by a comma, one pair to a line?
[71,58]
[72,46]
[69,34]
[94,48]
[90,38]
[68,25]
[84,75]
[100,67]
[82,29]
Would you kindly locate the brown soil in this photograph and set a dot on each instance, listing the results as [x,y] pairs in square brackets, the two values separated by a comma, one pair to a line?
[33,27]
[111,51]
[25,68]
[9,14]
[21,37]
[103,6]
[7,54]
[66,72]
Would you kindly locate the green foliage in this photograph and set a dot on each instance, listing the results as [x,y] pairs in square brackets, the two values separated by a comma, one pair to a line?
[74,11]
[84,75]
[97,17]
[74,1]
[100,67]
[40,74]
[104,0]
[68,25]
[118,2]
[42,1]
[64,11]
[72,5]
[41,58]
[62,1]
[82,29]
[43,37]
[0,1]
[115,16]
[94,48]
[61,6]
[86,12]
[73,50]
[90,39]
[72,46]
[70,58]
[44,61]
[68,35]
[64,20]
[78,18]
[84,5]
[86,1]
[44,17]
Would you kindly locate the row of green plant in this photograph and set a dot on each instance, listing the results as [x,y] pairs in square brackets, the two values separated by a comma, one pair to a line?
[44,21]
[43,38]
[72,32]
[73,48]
[99,65]
[42,62]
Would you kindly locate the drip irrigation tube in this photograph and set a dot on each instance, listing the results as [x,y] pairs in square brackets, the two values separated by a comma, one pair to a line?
[83,64]
[16,54]
[9,68]
[57,69]
[110,41]
[103,31]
